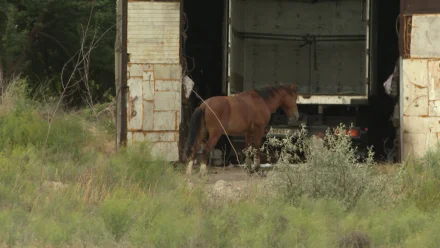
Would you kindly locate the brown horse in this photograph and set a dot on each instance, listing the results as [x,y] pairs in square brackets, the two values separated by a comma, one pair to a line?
[247,113]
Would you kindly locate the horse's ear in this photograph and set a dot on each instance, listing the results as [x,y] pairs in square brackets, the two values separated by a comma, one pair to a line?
[293,86]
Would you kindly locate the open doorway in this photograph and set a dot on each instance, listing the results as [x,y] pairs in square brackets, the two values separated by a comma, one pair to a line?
[204,45]
[386,55]
[202,50]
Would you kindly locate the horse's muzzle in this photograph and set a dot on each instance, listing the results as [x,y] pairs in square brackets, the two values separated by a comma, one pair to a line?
[295,114]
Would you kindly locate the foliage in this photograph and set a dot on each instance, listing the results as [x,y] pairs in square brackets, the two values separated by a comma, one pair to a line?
[37,38]
[421,179]
[331,169]
[91,197]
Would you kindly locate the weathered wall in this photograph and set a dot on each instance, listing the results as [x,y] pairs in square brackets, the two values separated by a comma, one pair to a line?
[154,76]
[420,78]
[337,68]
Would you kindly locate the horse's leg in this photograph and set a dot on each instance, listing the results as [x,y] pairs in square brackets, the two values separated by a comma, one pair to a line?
[212,141]
[258,135]
[193,158]
[247,143]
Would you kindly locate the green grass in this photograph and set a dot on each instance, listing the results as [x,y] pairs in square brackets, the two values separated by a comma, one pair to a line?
[131,199]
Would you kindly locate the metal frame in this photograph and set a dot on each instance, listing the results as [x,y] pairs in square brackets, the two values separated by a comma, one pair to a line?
[311,99]
[225,56]
[228,49]
[401,109]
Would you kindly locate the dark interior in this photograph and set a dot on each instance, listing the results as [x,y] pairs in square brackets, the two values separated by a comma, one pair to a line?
[381,106]
[204,46]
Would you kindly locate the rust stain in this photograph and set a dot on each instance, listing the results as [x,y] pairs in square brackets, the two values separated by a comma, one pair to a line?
[132,112]
[418,85]
[423,116]
[406,39]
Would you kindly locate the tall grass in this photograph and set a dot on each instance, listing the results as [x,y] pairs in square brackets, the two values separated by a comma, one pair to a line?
[91,198]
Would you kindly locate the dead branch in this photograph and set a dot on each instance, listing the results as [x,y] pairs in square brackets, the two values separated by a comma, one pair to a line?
[82,58]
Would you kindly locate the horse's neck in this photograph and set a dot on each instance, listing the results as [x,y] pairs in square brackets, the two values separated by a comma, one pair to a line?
[273,104]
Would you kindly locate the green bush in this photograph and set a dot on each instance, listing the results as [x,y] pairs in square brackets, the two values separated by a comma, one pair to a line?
[331,169]
[23,125]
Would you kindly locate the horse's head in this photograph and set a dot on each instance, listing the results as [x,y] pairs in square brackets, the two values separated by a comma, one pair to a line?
[288,102]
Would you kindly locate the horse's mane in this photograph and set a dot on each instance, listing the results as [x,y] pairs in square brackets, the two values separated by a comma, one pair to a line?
[270,91]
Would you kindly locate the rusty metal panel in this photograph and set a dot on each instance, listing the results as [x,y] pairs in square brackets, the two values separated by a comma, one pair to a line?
[153,32]
[425,38]
[420,6]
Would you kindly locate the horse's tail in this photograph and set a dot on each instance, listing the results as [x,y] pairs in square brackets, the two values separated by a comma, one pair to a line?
[194,130]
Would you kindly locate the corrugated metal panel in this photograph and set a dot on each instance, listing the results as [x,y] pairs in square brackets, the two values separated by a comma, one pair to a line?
[153,32]
[154,76]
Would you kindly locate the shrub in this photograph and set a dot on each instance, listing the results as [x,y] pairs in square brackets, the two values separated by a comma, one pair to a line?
[331,169]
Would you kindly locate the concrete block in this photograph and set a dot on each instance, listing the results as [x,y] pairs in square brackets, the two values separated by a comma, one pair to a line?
[166,150]
[434,79]
[147,67]
[415,88]
[129,138]
[167,101]
[148,76]
[138,137]
[161,136]
[163,85]
[165,121]
[415,144]
[148,123]
[434,108]
[134,108]
[135,70]
[172,71]
[178,118]
[416,124]
[148,87]
[434,124]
